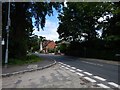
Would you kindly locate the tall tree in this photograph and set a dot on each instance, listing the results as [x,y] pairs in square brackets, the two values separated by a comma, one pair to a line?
[80,20]
[22,25]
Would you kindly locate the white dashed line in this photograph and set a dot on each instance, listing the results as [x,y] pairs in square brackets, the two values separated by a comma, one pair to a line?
[114,84]
[79,70]
[99,64]
[60,62]
[73,67]
[66,68]
[102,85]
[72,70]
[87,73]
[89,79]
[68,65]
[62,66]
[92,63]
[97,77]
[80,74]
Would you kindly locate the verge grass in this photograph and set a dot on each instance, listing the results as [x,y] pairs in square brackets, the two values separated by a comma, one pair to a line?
[27,60]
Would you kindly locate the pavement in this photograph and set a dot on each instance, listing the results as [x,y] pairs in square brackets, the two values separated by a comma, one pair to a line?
[69,72]
[55,76]
[27,67]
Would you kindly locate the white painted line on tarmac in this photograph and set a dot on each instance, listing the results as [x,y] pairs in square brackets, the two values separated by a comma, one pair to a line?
[102,85]
[80,74]
[68,65]
[60,62]
[79,70]
[92,63]
[62,66]
[73,67]
[89,79]
[87,73]
[72,70]
[99,78]
[99,64]
[114,84]
[66,68]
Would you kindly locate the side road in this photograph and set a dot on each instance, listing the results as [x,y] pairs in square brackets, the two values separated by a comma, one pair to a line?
[11,70]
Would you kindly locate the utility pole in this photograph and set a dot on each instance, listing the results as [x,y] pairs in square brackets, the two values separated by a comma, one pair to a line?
[7,30]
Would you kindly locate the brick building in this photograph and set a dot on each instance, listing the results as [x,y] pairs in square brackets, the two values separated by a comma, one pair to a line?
[48,45]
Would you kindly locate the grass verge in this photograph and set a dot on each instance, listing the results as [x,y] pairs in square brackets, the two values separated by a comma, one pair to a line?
[27,60]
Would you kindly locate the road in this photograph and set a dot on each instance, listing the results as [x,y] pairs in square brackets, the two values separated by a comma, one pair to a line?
[103,72]
[52,77]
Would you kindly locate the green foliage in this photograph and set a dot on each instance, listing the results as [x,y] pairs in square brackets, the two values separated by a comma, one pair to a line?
[29,59]
[80,20]
[22,25]
[51,50]
[62,48]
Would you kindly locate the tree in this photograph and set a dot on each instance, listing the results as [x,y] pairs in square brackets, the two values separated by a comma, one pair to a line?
[22,25]
[81,20]
[79,24]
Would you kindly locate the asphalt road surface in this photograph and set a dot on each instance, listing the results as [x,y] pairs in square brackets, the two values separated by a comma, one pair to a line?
[52,77]
[100,71]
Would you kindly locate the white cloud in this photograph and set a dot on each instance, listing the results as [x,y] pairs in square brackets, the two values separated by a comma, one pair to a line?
[65,3]
[50,31]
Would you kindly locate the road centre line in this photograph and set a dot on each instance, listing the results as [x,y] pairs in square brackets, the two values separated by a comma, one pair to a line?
[102,85]
[99,78]
[114,84]
[87,73]
[92,63]
[89,79]
[99,64]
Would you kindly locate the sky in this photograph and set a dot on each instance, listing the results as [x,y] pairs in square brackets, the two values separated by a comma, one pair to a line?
[50,29]
[51,25]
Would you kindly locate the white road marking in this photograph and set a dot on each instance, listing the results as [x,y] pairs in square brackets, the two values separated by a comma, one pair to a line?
[97,77]
[79,70]
[68,65]
[102,85]
[92,63]
[99,64]
[73,67]
[66,68]
[62,66]
[87,73]
[72,70]
[114,84]
[89,79]
[60,63]
[80,74]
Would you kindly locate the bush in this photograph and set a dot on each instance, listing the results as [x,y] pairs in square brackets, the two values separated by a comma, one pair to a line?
[29,59]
